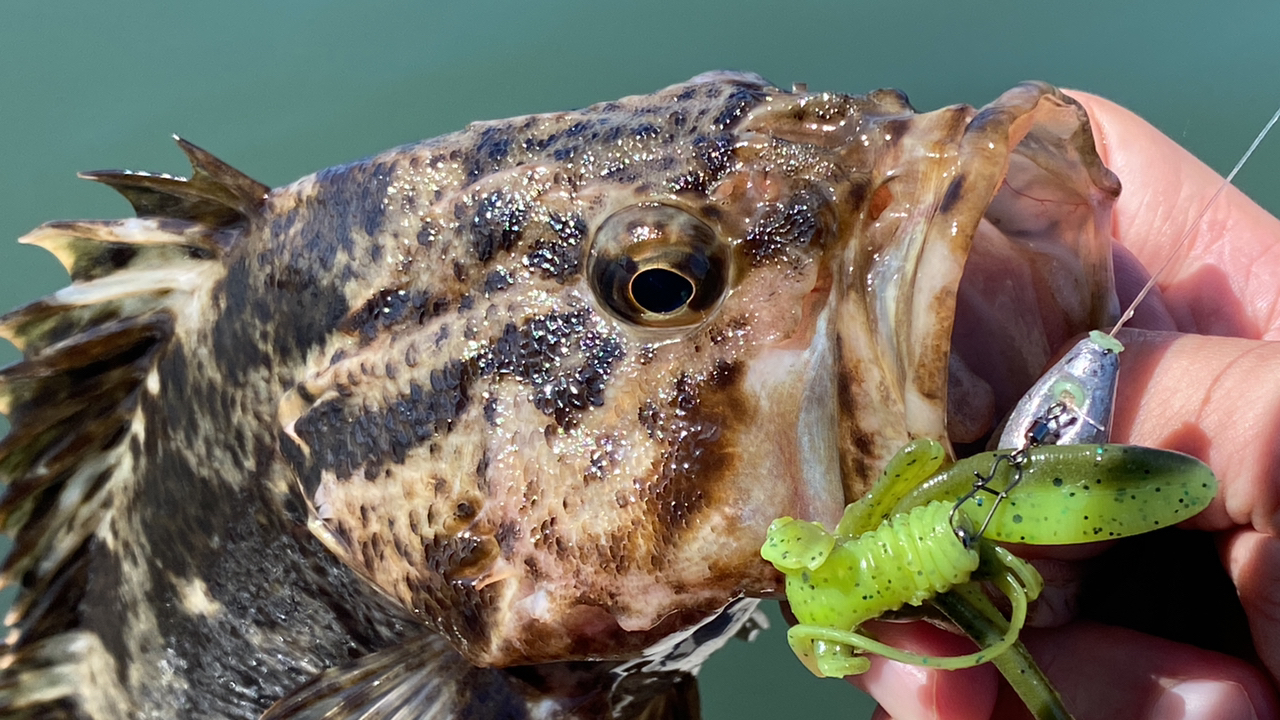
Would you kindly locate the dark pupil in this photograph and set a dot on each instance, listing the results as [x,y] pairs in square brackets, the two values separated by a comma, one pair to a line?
[661,291]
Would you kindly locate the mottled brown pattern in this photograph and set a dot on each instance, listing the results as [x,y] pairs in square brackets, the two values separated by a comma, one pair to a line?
[392,405]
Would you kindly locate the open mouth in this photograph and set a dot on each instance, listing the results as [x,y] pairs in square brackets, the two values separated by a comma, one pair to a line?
[987,251]
[1010,324]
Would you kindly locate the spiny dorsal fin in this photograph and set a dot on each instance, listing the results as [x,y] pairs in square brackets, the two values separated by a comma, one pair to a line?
[90,352]
[90,249]
[91,688]
[216,194]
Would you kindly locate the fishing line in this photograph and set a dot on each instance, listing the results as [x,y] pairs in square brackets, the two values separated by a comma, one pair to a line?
[1226,182]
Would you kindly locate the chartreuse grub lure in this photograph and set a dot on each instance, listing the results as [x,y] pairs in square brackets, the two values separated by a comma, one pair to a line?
[924,530]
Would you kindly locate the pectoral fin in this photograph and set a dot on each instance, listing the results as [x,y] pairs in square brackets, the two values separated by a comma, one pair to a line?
[420,679]
[424,678]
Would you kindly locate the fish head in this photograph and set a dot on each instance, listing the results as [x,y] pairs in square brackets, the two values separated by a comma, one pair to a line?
[585,358]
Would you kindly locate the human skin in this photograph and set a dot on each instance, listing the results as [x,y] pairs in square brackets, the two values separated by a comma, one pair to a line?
[1201,377]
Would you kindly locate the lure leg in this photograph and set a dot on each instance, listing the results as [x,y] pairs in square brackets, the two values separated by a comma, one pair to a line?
[1011,570]
[970,609]
[825,657]
[906,470]
[794,544]
[829,648]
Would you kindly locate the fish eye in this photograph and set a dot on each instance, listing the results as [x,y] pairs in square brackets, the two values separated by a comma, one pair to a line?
[658,266]
[661,290]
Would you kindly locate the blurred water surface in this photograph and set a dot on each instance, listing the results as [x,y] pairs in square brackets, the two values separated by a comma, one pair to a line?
[284,88]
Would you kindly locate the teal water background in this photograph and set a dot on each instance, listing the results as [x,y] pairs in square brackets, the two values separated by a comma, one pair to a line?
[281,89]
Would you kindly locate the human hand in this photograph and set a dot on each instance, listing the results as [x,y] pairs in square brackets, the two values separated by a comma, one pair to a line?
[1214,394]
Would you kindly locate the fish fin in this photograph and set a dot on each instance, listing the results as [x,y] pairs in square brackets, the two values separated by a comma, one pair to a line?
[90,352]
[665,696]
[57,671]
[215,194]
[416,679]
[424,678]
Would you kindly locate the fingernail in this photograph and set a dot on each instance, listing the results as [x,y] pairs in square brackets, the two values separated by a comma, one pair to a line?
[1204,700]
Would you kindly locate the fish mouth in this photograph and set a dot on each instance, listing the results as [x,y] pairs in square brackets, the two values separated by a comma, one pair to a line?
[975,246]
[1009,325]
[982,248]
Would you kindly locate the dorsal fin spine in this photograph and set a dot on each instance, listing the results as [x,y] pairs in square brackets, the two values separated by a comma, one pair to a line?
[216,194]
[74,398]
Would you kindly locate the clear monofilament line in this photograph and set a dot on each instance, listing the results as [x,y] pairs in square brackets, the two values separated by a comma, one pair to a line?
[1226,182]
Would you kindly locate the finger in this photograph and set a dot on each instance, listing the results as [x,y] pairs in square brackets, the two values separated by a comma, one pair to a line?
[1217,399]
[911,692]
[1253,561]
[1109,672]
[1223,282]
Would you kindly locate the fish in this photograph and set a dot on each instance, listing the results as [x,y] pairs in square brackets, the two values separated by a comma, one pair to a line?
[494,424]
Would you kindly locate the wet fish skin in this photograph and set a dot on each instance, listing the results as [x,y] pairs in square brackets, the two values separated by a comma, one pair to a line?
[393,410]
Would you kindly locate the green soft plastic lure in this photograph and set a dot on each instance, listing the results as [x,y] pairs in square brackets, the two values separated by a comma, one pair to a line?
[913,536]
